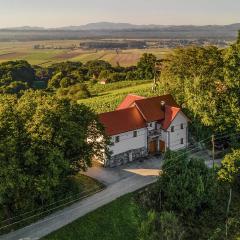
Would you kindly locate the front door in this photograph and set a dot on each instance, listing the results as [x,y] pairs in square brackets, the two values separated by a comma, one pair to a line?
[152,147]
[162,146]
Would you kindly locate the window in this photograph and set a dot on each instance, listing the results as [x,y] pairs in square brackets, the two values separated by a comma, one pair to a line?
[172,128]
[182,126]
[135,134]
[181,140]
[117,139]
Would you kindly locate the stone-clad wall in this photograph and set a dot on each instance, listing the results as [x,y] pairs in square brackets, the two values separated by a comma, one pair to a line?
[125,157]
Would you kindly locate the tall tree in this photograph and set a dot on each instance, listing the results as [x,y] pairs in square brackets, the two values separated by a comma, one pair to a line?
[205,81]
[146,66]
[184,65]
[232,83]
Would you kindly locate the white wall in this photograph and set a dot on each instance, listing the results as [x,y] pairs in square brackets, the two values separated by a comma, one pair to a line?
[174,138]
[128,142]
[164,137]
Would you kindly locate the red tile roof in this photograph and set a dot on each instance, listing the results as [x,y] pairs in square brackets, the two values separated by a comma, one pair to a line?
[135,112]
[121,121]
[128,101]
[151,107]
[170,114]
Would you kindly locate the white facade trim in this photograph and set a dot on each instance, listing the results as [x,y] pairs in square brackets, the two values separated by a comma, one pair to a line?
[173,140]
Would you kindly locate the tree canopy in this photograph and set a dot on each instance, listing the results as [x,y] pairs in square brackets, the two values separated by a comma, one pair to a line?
[205,81]
[146,66]
[43,141]
[230,170]
[194,179]
[16,76]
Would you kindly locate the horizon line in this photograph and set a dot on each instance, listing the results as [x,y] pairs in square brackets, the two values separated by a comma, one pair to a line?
[107,22]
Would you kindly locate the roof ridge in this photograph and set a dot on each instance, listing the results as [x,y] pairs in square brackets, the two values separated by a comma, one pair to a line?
[124,109]
[167,105]
[135,95]
[147,98]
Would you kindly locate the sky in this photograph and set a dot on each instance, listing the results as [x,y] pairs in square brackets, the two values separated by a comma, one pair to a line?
[56,13]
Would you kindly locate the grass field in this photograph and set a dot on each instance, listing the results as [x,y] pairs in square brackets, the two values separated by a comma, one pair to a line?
[45,57]
[116,221]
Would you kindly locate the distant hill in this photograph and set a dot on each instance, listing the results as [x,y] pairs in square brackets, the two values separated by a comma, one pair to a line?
[125,26]
[121,30]
[24,28]
[101,26]
[92,26]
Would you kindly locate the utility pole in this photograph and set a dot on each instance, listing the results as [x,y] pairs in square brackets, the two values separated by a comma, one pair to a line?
[213,150]
[228,208]
[154,86]
[157,72]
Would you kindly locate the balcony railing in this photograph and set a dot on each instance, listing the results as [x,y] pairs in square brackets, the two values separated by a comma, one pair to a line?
[154,132]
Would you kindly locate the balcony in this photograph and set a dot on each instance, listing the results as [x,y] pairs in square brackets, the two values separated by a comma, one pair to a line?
[154,133]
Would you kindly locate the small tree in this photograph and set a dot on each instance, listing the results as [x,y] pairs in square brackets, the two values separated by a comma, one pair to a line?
[230,174]
[148,229]
[170,226]
[165,226]
[186,185]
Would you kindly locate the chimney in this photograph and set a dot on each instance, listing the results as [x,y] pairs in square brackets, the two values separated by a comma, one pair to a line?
[163,104]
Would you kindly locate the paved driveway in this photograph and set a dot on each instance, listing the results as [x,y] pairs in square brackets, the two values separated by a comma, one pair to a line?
[109,176]
[119,181]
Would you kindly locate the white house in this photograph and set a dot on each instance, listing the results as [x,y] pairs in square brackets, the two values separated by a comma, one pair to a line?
[142,126]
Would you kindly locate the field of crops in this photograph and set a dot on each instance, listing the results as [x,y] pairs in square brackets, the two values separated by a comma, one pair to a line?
[100,89]
[25,50]
[109,100]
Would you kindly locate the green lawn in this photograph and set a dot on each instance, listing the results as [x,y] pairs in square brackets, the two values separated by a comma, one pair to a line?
[115,221]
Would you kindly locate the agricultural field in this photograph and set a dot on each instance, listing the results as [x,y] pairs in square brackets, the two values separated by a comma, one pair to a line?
[59,51]
[110,97]
[102,89]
